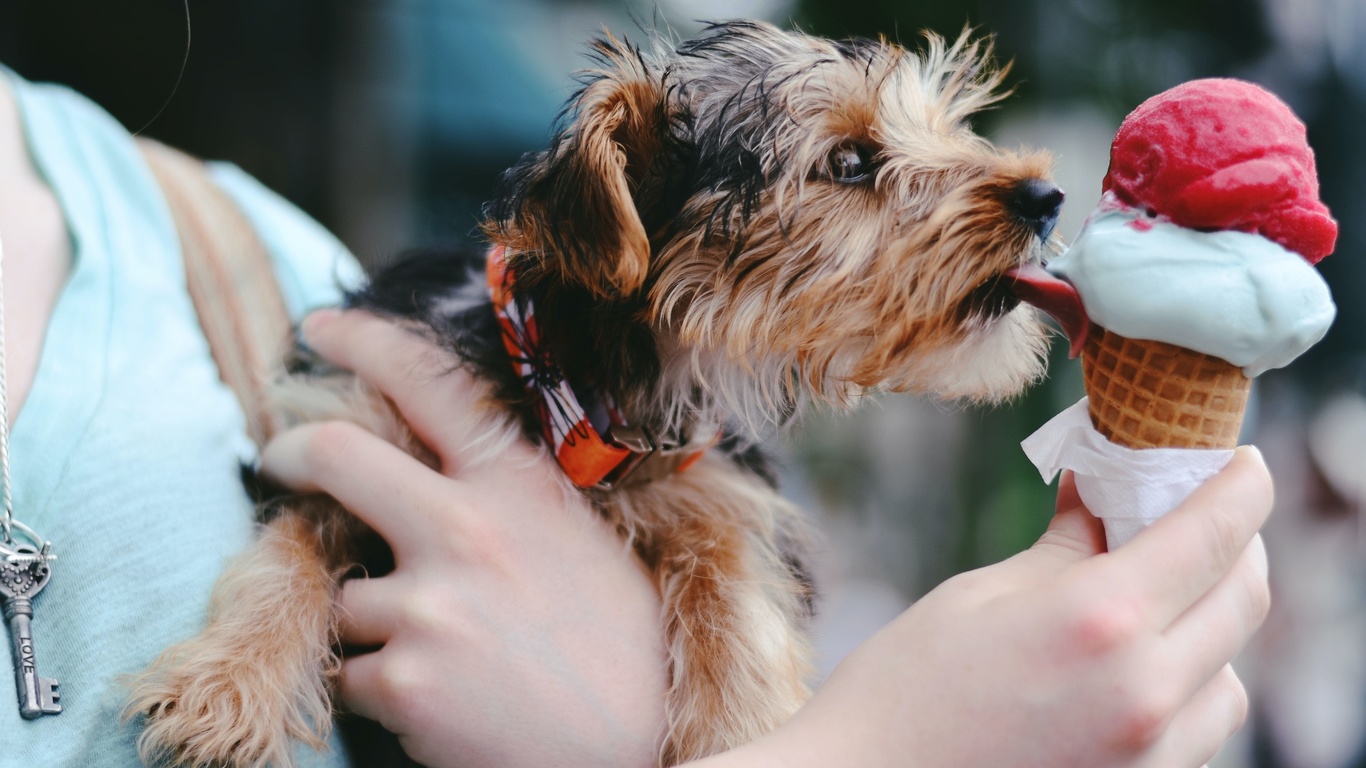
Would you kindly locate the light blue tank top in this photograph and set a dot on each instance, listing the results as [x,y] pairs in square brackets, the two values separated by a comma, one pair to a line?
[126,452]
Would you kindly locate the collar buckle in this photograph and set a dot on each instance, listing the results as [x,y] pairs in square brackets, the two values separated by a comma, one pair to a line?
[638,441]
[652,457]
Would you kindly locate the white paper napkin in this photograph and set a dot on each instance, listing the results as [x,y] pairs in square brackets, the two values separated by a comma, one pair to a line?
[1126,488]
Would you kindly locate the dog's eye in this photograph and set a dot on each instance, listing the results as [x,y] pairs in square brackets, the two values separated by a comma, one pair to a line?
[849,163]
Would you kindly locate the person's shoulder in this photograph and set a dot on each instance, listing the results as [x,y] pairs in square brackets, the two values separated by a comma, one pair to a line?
[59,100]
[314,267]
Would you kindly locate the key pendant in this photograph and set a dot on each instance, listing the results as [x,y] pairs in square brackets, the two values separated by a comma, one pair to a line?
[22,576]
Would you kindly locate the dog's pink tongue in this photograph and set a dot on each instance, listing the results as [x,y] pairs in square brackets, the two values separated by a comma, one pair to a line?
[1034,285]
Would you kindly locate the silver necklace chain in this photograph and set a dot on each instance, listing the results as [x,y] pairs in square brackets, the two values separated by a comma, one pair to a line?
[5,498]
[32,546]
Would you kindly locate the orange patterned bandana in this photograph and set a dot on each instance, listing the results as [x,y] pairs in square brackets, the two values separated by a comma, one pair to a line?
[590,458]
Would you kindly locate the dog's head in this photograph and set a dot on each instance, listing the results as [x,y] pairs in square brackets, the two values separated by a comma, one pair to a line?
[793,217]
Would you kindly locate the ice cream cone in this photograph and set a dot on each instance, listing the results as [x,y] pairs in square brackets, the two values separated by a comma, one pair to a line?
[1205,238]
[1149,394]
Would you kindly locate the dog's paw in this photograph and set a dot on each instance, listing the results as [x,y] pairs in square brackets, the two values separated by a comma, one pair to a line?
[207,702]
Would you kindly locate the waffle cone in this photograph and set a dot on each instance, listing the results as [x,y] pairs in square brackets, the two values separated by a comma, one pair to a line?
[1147,394]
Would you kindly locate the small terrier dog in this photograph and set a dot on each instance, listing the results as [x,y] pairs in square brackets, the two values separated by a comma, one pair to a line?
[720,233]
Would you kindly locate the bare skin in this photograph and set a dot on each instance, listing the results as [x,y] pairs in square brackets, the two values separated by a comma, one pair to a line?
[1073,656]
[37,251]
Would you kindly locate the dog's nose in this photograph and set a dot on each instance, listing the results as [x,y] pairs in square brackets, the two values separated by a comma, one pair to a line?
[1037,202]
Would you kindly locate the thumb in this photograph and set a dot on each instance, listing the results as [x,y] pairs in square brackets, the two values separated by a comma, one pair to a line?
[1073,534]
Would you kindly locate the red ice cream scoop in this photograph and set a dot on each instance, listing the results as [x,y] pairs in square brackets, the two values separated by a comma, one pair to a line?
[1223,154]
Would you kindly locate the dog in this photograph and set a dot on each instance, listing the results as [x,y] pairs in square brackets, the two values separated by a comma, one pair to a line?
[722,232]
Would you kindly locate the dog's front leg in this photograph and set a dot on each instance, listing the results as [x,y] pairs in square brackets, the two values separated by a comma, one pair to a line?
[734,606]
[257,676]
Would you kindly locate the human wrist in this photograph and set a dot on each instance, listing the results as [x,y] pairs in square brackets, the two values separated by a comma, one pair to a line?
[806,741]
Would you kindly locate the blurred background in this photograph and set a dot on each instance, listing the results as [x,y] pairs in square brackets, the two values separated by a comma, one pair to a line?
[389,121]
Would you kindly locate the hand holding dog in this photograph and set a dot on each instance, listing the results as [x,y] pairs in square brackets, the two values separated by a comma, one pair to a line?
[517,628]
[1060,656]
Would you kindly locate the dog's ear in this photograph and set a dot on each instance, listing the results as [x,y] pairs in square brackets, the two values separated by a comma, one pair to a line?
[575,205]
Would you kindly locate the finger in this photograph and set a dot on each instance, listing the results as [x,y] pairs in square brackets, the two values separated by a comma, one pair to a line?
[1180,557]
[1202,727]
[1216,628]
[421,379]
[394,493]
[1073,534]
[367,687]
[368,612]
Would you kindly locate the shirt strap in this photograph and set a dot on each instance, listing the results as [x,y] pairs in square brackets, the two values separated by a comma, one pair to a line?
[230,281]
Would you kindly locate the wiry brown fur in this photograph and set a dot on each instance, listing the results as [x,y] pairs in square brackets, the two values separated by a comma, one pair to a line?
[692,250]
[733,614]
